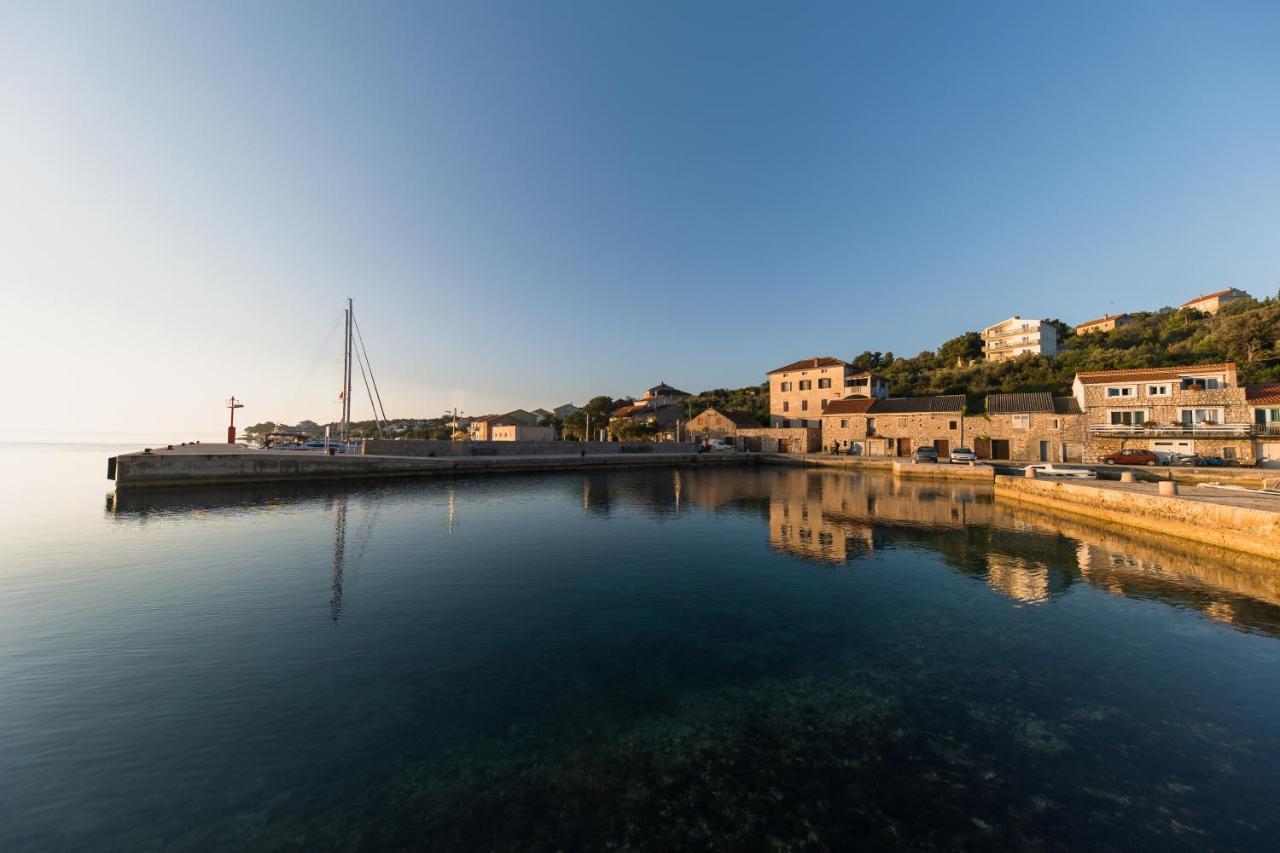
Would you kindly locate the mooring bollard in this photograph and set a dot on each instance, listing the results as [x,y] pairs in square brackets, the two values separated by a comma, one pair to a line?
[1168,488]
[1126,476]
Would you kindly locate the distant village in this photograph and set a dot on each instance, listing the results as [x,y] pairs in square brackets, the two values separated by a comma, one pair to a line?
[824,404]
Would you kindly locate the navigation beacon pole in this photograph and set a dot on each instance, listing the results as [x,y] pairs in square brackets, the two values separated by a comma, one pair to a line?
[233,404]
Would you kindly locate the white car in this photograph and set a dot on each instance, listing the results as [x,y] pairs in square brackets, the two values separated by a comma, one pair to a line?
[1047,470]
[963,454]
[719,445]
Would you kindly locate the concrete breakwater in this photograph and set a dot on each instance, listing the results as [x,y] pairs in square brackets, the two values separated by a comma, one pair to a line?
[898,467]
[1236,521]
[210,465]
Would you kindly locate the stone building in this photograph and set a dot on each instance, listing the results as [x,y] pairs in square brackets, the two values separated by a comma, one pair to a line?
[800,391]
[481,429]
[1033,427]
[521,432]
[719,423]
[894,426]
[1198,409]
[1017,337]
[1264,400]
[780,439]
[1103,324]
[1211,303]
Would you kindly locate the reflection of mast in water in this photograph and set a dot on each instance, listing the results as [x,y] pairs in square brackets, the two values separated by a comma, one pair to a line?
[339,557]
[586,495]
[678,484]
[451,509]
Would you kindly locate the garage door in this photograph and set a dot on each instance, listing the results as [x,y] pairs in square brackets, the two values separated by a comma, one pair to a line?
[1165,448]
[1269,454]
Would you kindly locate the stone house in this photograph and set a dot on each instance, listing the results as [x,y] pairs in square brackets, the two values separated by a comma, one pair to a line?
[1211,303]
[780,439]
[1017,337]
[663,394]
[480,429]
[894,426]
[800,391]
[719,423]
[1031,427]
[1197,409]
[1103,324]
[521,432]
[1264,400]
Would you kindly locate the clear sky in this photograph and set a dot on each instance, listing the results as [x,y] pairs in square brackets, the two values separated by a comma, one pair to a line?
[536,202]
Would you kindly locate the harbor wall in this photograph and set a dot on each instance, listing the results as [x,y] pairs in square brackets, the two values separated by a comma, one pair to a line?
[429,448]
[161,468]
[1237,528]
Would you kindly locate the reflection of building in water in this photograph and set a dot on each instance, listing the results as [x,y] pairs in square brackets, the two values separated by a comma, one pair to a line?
[1019,578]
[1232,588]
[798,525]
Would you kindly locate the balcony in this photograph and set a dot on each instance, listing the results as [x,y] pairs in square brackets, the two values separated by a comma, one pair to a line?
[1177,430]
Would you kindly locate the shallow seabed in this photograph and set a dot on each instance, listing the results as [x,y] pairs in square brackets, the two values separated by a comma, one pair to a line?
[658,660]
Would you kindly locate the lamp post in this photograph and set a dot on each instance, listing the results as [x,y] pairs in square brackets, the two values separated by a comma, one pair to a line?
[233,404]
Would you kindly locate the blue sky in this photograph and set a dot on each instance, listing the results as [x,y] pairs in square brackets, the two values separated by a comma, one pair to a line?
[537,202]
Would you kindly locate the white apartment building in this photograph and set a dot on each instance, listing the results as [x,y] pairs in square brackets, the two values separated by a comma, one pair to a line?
[1017,337]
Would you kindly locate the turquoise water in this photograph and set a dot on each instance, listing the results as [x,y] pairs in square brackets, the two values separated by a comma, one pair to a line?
[751,659]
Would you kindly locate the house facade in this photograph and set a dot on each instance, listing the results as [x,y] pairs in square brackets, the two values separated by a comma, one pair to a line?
[1264,401]
[521,432]
[1034,427]
[481,429]
[1102,324]
[719,423]
[799,392]
[1197,409]
[1016,337]
[1211,303]
[663,394]
[894,426]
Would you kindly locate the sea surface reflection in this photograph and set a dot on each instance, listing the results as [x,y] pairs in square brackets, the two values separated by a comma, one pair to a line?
[657,659]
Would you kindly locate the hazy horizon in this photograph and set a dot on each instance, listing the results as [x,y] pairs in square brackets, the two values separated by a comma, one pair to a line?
[535,204]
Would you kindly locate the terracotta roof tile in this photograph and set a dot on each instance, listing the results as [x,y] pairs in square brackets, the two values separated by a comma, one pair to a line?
[949,404]
[1208,296]
[810,363]
[848,406]
[1144,374]
[1105,319]
[1268,393]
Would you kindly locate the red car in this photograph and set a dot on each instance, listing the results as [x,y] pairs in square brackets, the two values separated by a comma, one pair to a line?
[1132,457]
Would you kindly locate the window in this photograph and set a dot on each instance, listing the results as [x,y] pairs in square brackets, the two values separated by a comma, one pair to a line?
[952,425]
[1201,383]
[854,383]
[1121,391]
[1055,423]
[1022,421]
[1196,417]
[804,405]
[1228,453]
[902,422]
[844,423]
[824,383]
[806,384]
[1157,390]
[1128,417]
[786,405]
[824,402]
[786,386]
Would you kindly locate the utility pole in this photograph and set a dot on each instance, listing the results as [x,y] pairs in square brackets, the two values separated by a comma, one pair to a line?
[233,404]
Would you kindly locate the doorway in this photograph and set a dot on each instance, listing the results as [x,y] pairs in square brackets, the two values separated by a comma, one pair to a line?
[999,448]
[1044,451]
[943,446]
[904,447]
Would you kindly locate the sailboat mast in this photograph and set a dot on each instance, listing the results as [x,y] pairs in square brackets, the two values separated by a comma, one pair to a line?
[346,379]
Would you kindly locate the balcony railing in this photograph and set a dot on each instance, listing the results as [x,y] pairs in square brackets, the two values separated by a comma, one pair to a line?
[1153,430]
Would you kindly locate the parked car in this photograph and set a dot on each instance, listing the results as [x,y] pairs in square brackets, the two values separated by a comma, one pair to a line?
[926,454]
[720,445]
[1132,456]
[1045,469]
[963,454]
[1194,461]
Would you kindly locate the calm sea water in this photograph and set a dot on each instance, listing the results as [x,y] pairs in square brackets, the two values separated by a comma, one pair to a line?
[660,660]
